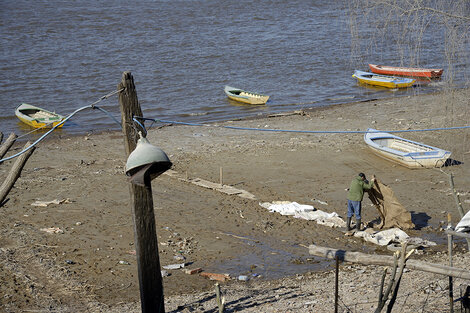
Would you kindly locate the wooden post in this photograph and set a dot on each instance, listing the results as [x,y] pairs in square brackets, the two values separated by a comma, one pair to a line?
[148,262]
[15,172]
[336,284]
[221,176]
[219,298]
[449,243]
[7,144]
[1,137]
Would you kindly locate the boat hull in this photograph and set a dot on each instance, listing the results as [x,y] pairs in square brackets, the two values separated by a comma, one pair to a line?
[405,152]
[245,96]
[383,81]
[406,71]
[37,117]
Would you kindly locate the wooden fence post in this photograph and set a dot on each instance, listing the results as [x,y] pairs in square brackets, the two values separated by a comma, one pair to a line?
[449,243]
[148,262]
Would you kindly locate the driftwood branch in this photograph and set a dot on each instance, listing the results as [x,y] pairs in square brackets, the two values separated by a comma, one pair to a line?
[383,297]
[458,234]
[7,144]
[385,260]
[15,173]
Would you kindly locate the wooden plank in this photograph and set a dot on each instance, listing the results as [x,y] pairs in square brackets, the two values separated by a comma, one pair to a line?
[229,190]
[148,262]
[385,260]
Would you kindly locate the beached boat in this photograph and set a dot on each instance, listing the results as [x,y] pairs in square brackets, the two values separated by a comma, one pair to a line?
[37,117]
[383,81]
[245,96]
[406,71]
[405,152]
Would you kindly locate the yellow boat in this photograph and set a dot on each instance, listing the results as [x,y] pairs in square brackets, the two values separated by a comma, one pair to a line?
[245,96]
[37,117]
[383,81]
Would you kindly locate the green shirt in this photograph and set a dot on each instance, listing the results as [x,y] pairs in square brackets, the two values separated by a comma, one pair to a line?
[356,190]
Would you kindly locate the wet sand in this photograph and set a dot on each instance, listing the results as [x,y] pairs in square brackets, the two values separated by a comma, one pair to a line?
[81,268]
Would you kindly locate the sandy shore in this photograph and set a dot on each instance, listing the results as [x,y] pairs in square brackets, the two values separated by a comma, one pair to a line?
[79,269]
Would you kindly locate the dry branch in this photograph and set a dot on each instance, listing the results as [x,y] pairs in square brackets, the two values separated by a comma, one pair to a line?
[7,144]
[15,172]
[385,260]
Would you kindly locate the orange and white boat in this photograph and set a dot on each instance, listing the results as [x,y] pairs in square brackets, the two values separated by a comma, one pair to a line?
[406,71]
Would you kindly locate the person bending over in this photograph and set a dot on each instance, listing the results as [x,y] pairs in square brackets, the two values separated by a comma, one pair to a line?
[355,195]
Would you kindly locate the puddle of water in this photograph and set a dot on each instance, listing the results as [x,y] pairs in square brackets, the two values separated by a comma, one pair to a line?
[264,261]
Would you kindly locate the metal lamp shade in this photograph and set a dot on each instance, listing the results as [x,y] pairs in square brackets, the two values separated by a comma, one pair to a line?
[146,161]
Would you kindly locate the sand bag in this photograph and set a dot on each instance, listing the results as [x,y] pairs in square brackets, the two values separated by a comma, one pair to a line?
[392,213]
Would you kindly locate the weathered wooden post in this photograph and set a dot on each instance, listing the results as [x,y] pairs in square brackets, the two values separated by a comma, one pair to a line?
[148,262]
[449,243]
[336,283]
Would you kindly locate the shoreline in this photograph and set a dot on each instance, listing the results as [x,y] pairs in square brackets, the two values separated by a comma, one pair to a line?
[88,169]
[253,117]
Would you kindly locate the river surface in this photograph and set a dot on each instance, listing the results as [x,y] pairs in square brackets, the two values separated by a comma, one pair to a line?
[63,55]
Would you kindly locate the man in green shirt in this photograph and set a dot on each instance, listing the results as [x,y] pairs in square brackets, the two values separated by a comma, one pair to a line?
[355,195]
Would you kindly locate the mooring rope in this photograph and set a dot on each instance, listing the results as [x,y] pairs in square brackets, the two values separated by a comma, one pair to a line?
[301,131]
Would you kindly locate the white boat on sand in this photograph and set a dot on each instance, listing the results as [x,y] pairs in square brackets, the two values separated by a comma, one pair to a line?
[405,152]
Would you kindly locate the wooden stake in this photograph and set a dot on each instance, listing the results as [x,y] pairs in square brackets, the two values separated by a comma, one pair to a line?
[15,172]
[336,284]
[219,298]
[148,262]
[221,176]
[7,144]
[449,244]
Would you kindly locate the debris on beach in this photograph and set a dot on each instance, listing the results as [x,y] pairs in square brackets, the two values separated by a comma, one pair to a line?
[306,212]
[215,276]
[174,266]
[52,230]
[46,203]
[192,271]
[391,236]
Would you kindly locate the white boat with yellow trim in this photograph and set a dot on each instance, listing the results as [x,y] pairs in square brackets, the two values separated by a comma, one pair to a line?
[245,96]
[37,117]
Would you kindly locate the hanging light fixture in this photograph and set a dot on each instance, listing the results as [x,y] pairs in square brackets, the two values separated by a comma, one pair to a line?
[146,162]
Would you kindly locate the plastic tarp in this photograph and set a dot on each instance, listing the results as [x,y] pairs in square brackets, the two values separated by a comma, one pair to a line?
[306,212]
[392,235]
[392,213]
[464,224]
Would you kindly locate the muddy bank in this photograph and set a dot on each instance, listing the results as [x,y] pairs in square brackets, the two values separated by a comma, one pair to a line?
[81,266]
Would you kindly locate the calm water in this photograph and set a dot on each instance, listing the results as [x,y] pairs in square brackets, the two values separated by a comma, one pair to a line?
[62,55]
